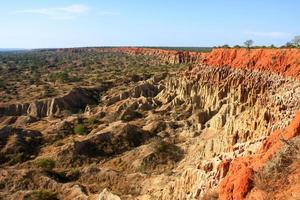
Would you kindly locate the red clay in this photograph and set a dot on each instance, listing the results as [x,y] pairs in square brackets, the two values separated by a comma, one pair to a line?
[281,61]
[238,181]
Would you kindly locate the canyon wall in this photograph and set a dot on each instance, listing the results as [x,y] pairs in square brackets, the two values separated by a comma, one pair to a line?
[233,111]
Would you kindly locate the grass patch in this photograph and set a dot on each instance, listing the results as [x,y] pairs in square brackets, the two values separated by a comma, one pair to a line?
[80,129]
[45,164]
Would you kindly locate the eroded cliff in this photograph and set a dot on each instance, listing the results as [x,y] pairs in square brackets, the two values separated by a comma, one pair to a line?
[282,61]
[76,99]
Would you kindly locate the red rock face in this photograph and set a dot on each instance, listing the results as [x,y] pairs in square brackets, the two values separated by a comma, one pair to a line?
[238,181]
[281,61]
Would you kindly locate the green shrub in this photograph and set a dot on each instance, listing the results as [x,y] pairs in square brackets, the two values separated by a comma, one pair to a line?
[45,163]
[2,83]
[80,129]
[91,121]
[49,91]
[63,76]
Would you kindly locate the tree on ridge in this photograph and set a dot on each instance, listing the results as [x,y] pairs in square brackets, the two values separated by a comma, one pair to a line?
[248,43]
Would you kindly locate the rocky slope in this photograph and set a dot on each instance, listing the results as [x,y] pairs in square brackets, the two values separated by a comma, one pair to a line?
[76,99]
[204,133]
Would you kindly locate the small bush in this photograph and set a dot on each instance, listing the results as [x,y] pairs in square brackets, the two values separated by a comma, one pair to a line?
[91,121]
[49,91]
[161,146]
[80,129]
[45,164]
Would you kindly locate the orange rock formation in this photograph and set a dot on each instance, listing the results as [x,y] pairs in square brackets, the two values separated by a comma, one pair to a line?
[281,61]
[238,182]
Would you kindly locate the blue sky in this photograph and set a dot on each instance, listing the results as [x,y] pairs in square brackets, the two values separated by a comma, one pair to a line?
[66,23]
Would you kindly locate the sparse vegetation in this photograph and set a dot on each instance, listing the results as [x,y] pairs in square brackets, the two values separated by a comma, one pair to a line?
[44,74]
[2,83]
[275,172]
[49,91]
[46,164]
[91,121]
[80,129]
[15,158]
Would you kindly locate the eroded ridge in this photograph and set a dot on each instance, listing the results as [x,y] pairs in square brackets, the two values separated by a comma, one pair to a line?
[232,111]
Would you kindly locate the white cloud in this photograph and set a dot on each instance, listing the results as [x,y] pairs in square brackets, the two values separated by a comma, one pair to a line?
[68,12]
[111,13]
[274,35]
[76,8]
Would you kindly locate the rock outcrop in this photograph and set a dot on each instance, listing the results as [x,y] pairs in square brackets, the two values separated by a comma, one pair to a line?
[76,99]
[106,195]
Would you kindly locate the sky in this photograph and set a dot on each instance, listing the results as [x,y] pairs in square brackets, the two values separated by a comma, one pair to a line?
[71,23]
